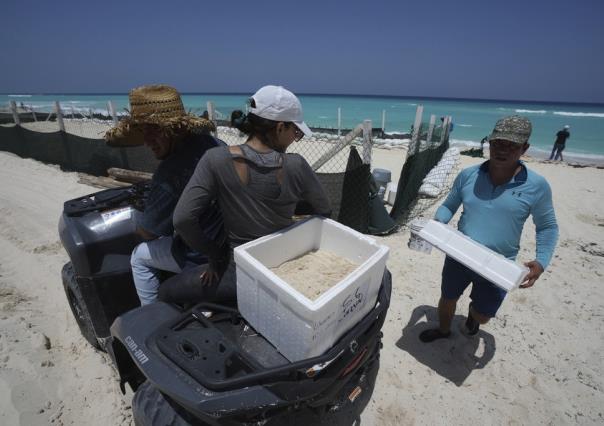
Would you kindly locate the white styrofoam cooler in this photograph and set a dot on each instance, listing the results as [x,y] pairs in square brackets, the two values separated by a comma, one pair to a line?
[491,265]
[297,326]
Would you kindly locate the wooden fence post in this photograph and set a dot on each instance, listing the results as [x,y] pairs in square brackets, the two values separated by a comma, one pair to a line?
[211,112]
[13,108]
[339,121]
[59,116]
[383,121]
[212,115]
[431,129]
[414,143]
[33,114]
[367,142]
[445,130]
[340,145]
[112,112]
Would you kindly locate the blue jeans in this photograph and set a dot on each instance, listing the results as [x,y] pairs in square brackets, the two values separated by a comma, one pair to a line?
[147,260]
[557,152]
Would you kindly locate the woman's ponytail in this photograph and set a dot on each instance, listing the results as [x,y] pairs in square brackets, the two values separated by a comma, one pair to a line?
[240,121]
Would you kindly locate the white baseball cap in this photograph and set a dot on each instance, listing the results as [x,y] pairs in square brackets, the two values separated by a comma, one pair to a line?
[279,104]
[567,126]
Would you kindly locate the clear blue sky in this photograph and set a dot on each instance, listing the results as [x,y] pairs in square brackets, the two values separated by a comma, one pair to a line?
[499,49]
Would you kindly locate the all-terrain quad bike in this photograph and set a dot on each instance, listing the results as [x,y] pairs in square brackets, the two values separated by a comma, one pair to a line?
[186,367]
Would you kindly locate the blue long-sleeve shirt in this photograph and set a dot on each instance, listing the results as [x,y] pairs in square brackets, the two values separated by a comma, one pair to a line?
[494,215]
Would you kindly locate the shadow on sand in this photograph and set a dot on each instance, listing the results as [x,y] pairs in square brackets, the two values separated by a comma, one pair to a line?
[453,358]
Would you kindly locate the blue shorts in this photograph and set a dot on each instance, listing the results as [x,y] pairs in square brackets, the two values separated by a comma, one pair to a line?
[486,296]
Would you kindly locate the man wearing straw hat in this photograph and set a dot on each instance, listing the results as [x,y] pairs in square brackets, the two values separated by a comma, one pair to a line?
[497,197]
[158,120]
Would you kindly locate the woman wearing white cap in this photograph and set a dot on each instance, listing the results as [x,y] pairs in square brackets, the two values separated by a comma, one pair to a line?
[257,187]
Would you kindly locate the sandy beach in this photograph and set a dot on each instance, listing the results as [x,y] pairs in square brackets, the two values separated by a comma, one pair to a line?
[538,362]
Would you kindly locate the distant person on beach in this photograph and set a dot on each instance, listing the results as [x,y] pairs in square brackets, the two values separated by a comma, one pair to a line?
[482,142]
[497,197]
[476,152]
[179,140]
[257,186]
[451,125]
[560,143]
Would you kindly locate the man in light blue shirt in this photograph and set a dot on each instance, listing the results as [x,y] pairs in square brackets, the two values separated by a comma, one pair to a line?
[497,197]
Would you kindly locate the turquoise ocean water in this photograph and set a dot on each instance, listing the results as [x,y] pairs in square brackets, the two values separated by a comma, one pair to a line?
[473,119]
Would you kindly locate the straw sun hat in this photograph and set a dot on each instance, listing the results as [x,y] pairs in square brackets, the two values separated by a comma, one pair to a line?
[156,104]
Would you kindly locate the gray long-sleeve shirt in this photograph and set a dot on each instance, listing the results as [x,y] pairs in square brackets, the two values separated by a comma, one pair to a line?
[247,214]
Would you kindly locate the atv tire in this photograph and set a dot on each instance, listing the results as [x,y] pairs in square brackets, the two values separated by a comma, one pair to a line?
[150,408]
[77,305]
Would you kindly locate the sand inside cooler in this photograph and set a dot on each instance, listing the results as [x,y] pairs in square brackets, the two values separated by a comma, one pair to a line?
[314,272]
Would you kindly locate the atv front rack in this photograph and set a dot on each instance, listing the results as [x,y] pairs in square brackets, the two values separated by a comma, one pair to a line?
[218,353]
[200,347]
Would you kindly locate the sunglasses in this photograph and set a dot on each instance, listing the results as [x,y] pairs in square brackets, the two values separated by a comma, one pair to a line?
[298,134]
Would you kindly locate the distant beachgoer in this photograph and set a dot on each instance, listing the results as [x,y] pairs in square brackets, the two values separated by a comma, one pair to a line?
[179,140]
[481,149]
[256,184]
[205,115]
[497,197]
[560,143]
[451,125]
[476,152]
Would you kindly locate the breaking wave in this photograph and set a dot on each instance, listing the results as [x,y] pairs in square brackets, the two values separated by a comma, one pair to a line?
[531,111]
[580,114]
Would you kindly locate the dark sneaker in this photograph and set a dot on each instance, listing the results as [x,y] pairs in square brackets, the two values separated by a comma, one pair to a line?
[470,328]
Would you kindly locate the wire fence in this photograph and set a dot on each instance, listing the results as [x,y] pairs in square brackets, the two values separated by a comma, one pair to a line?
[74,140]
[428,171]
[325,152]
[345,180]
